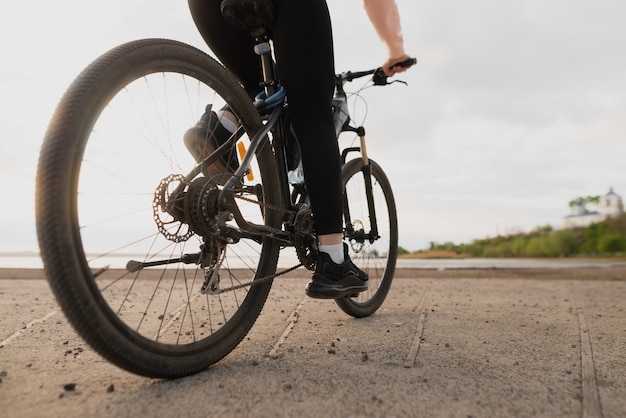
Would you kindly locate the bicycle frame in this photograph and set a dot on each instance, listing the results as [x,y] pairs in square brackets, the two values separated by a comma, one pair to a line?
[95,202]
[273,100]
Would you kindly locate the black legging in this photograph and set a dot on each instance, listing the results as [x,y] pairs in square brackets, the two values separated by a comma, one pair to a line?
[303,47]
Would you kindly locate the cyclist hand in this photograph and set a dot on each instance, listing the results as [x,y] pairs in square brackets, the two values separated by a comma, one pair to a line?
[390,67]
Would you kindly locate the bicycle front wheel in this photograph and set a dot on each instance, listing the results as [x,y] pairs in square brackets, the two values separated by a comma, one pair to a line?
[113,190]
[371,230]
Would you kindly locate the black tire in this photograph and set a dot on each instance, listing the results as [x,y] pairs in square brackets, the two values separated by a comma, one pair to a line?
[377,256]
[116,137]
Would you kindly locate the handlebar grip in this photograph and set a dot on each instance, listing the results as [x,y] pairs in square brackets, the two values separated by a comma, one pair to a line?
[409,62]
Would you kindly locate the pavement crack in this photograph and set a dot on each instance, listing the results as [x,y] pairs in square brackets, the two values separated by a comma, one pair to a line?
[591,406]
[591,398]
[29,325]
[411,357]
[292,320]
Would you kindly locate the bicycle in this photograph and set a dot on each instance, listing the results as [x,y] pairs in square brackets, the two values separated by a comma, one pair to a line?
[207,249]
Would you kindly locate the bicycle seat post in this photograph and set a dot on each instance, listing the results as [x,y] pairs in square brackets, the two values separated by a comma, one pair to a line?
[256,17]
[264,50]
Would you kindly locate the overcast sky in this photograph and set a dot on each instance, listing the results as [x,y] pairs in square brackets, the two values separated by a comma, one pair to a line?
[514,109]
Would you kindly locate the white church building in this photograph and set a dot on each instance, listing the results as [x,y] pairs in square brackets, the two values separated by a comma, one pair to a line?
[608,205]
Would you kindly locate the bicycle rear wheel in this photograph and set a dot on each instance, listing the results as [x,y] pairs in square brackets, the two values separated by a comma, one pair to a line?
[374,252]
[112,157]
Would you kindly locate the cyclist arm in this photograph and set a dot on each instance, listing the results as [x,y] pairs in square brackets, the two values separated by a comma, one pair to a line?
[385,18]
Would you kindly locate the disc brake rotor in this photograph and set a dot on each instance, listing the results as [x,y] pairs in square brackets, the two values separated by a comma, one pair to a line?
[167,214]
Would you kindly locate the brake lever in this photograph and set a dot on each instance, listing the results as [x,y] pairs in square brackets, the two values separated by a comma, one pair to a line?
[381,79]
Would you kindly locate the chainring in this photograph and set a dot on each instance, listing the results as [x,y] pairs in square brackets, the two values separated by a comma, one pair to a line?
[304,238]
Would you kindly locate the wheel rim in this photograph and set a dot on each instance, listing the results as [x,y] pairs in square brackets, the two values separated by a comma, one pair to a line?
[162,307]
[374,256]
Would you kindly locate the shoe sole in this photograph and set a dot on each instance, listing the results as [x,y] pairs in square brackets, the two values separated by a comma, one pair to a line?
[328,292]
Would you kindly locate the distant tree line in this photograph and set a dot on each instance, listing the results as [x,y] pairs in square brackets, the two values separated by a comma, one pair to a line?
[584,200]
[606,238]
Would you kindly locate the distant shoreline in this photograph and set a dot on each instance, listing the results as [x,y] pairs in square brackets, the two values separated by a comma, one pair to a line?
[449,255]
[606,273]
[419,261]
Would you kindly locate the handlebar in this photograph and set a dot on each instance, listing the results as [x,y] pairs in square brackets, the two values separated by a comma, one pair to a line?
[379,77]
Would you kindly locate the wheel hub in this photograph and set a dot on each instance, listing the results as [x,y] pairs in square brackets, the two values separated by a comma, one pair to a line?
[200,206]
[181,209]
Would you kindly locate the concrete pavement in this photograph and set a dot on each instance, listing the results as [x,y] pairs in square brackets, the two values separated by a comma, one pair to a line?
[479,345]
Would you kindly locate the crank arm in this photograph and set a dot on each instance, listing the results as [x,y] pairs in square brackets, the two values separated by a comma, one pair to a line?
[133,266]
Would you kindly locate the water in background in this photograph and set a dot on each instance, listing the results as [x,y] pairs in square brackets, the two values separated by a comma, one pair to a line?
[20,260]
[287,259]
[33,261]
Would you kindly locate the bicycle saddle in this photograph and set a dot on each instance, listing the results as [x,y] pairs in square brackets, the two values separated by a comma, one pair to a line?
[254,16]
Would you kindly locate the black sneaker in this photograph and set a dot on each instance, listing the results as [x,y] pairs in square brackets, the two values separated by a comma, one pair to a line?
[334,281]
[206,137]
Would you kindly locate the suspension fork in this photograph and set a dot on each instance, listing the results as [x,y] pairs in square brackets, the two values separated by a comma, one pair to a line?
[366,169]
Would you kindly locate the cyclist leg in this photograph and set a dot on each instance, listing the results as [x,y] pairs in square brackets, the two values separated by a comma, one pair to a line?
[235,49]
[304,54]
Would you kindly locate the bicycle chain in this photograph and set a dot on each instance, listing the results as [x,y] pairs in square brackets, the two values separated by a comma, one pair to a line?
[271,276]
[267,205]
[259,281]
